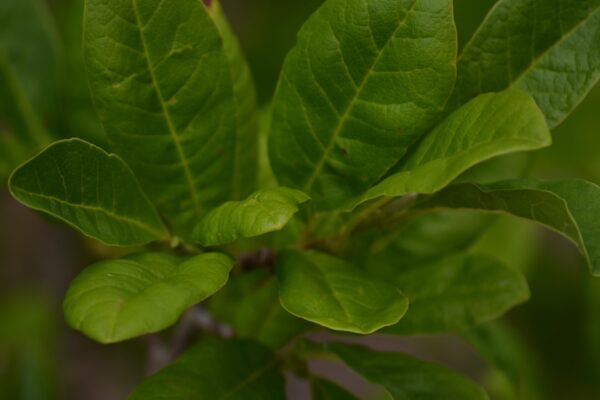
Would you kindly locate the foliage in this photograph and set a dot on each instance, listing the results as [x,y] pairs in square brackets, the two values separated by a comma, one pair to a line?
[373,124]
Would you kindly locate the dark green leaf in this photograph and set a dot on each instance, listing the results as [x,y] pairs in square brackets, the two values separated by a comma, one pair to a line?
[322,389]
[259,316]
[457,292]
[217,369]
[548,48]
[246,117]
[91,190]
[116,300]
[264,211]
[488,126]
[406,378]
[366,79]
[28,61]
[333,293]
[162,83]
[570,207]
[513,368]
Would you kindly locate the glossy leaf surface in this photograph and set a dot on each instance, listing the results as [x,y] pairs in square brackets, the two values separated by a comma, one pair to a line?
[91,190]
[333,293]
[217,369]
[487,126]
[116,300]
[570,207]
[406,378]
[264,211]
[548,48]
[366,78]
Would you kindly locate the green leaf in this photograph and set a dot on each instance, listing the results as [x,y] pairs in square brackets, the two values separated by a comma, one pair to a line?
[365,80]
[513,366]
[456,293]
[91,190]
[547,48]
[322,389]
[261,317]
[333,293]
[405,377]
[264,211]
[29,51]
[488,126]
[116,300]
[217,369]
[162,83]
[570,207]
[246,146]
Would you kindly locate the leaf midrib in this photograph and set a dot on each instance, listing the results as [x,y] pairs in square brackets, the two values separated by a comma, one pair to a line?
[539,57]
[343,117]
[108,213]
[172,131]
[252,377]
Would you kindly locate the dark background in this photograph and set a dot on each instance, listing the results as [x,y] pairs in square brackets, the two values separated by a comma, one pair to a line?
[40,358]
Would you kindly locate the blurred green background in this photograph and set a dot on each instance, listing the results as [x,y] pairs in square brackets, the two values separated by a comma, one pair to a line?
[550,345]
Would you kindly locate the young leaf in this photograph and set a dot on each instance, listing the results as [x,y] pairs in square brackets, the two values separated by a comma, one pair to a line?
[266,210]
[91,190]
[246,117]
[488,126]
[366,79]
[547,48]
[322,389]
[217,369]
[333,293]
[405,377]
[259,316]
[162,84]
[143,293]
[570,207]
[29,51]
[456,293]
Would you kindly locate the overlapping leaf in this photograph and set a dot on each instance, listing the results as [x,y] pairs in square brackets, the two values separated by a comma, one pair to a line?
[487,126]
[366,78]
[405,377]
[322,389]
[143,293]
[457,292]
[264,211]
[548,48]
[569,207]
[246,116]
[163,85]
[333,293]
[217,369]
[91,190]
